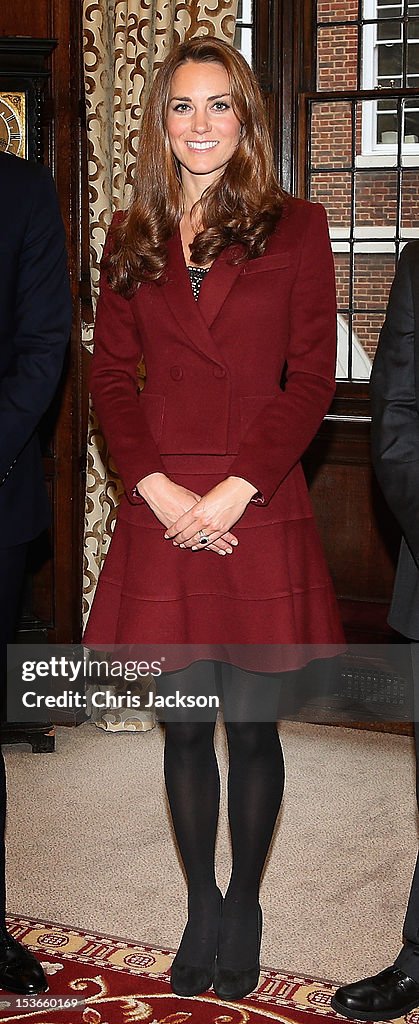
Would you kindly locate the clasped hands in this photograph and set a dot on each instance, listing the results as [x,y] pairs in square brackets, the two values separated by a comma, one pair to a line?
[184,513]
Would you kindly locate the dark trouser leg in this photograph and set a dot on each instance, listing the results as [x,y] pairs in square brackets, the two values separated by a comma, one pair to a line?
[408,958]
[12,567]
[193,789]
[2,846]
[255,789]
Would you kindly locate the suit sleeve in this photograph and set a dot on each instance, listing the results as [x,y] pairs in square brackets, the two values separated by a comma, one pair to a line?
[42,325]
[114,388]
[280,434]
[395,417]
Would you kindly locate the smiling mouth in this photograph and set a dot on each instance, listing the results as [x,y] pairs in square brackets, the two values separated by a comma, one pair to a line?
[199,146]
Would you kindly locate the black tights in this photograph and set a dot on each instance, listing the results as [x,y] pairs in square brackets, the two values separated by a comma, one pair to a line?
[255,788]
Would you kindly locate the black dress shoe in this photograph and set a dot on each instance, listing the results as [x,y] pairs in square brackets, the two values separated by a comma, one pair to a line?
[385,996]
[19,970]
[190,980]
[232,984]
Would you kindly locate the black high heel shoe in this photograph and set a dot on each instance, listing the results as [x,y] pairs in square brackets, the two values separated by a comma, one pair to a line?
[236,984]
[189,980]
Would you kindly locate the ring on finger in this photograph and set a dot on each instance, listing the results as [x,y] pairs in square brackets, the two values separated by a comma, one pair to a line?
[203,537]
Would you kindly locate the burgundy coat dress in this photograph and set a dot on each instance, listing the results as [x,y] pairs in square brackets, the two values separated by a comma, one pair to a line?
[212,406]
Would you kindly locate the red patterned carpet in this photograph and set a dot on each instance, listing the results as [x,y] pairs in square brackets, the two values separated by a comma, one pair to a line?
[97,979]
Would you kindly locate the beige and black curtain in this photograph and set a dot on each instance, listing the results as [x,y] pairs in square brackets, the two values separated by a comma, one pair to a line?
[124,41]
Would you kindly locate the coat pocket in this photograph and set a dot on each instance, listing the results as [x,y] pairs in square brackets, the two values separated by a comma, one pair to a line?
[274,261]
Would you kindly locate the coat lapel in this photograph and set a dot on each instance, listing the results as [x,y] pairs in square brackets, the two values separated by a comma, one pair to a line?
[196,318]
[217,285]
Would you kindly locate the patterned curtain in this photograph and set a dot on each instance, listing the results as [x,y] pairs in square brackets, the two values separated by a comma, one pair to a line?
[124,41]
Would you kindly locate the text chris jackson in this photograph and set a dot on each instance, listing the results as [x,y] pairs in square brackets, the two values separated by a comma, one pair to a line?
[102,699]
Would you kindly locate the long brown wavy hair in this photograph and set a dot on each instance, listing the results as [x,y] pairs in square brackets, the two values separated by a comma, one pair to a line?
[240,208]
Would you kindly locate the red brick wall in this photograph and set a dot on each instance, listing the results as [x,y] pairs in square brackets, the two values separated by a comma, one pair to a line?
[410,198]
[337,47]
[373,274]
[376,199]
[331,134]
[342,270]
[334,191]
[337,10]
[367,327]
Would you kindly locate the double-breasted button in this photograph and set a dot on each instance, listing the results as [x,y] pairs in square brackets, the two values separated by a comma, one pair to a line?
[176,372]
[219,371]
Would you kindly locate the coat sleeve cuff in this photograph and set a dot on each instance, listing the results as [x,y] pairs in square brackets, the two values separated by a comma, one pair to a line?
[249,468]
[135,496]
[131,490]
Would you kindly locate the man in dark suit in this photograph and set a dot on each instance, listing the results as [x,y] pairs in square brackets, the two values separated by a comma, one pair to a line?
[35,320]
[395,452]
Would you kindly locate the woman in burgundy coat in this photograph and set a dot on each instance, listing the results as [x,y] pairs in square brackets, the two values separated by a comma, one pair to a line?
[225,285]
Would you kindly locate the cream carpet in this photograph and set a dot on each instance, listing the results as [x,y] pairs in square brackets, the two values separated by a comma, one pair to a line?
[89,844]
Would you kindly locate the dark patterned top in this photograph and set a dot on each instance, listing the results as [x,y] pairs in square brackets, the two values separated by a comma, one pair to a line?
[197,275]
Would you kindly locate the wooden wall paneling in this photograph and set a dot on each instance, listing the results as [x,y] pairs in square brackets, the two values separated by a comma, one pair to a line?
[267,62]
[25,19]
[359,534]
[66,160]
[52,599]
[276,61]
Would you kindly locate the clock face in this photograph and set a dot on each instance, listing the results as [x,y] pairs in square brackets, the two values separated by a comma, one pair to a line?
[12,122]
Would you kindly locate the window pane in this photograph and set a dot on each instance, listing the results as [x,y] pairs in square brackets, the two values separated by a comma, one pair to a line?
[410,200]
[331,121]
[413,28]
[243,42]
[387,121]
[364,238]
[373,276]
[389,9]
[342,355]
[326,11]
[389,30]
[413,59]
[337,49]
[334,191]
[376,199]
[342,271]
[358,128]
[244,10]
[411,121]
[390,64]
[354,362]
[366,330]
[387,106]
[388,12]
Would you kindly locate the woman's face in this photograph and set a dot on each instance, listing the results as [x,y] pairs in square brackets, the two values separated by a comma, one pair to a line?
[202,127]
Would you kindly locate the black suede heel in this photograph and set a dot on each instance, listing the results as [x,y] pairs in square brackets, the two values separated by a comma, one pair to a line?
[232,984]
[189,980]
